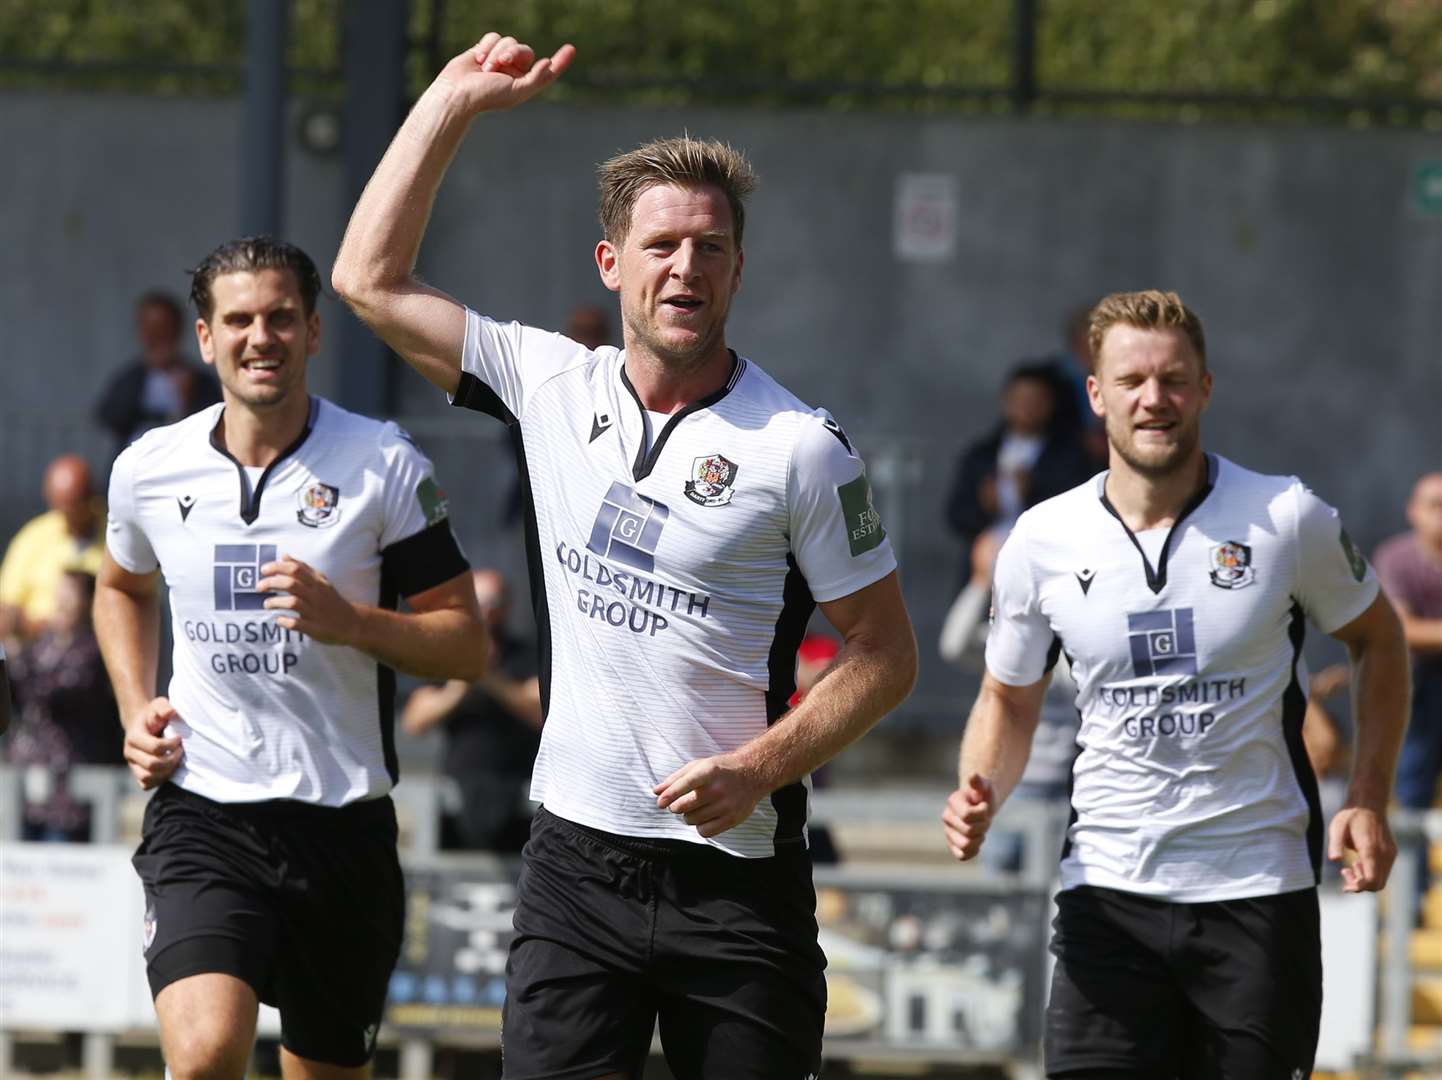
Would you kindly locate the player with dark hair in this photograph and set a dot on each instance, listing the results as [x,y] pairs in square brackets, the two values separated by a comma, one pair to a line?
[287,529]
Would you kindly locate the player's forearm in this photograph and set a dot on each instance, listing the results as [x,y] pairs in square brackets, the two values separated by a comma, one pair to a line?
[1381,696]
[127,628]
[378,254]
[997,742]
[867,681]
[448,644]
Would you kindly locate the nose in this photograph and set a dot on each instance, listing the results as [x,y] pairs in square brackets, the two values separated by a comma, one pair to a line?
[1152,396]
[683,264]
[261,332]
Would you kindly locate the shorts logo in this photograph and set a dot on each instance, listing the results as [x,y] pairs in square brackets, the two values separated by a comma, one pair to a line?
[148,925]
[318,506]
[237,572]
[1232,565]
[711,480]
[1163,643]
[628,527]
[369,1034]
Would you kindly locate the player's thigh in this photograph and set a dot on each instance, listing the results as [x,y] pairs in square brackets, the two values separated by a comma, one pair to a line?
[743,988]
[1254,979]
[1114,1007]
[207,1025]
[342,925]
[569,1017]
[578,1000]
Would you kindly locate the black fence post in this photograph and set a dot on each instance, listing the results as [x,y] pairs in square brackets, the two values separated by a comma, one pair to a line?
[263,140]
[1023,54]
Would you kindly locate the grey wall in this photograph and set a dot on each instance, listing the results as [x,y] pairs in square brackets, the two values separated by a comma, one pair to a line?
[1320,287]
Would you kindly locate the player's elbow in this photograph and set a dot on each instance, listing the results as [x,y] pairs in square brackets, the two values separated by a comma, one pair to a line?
[475,657]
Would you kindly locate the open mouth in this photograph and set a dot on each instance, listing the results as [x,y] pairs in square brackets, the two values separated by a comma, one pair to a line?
[683,303]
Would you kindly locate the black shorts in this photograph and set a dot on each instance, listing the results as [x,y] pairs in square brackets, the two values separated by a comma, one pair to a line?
[1151,988]
[615,933]
[305,903]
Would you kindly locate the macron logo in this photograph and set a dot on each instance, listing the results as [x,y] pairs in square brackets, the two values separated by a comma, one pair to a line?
[186,503]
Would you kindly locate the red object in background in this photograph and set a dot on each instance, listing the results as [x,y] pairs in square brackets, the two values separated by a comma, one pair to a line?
[812,657]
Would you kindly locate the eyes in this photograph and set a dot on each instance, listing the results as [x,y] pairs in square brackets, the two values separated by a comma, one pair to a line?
[666,246]
[284,319]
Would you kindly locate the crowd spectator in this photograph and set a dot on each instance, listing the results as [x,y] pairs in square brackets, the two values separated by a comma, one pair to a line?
[1069,369]
[589,325]
[160,385]
[1410,568]
[65,714]
[492,732]
[1025,459]
[70,535]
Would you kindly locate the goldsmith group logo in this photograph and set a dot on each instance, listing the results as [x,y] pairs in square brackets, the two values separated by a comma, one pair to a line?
[628,528]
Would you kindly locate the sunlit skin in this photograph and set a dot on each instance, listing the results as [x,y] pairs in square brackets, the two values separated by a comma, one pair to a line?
[258,338]
[676,271]
[1150,390]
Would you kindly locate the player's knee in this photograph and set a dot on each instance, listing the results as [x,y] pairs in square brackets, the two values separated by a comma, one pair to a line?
[206,1052]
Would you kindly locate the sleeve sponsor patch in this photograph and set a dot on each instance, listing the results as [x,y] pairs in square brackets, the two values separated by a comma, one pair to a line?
[863,523]
[1354,557]
[434,504]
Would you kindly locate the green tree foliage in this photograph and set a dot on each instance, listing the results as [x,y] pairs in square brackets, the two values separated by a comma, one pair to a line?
[841,53]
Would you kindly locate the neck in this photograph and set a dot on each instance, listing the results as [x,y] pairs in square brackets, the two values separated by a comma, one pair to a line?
[256,437]
[664,389]
[1147,501]
[1431,547]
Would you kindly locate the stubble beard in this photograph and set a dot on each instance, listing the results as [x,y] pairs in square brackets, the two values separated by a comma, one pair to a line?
[677,362]
[1156,467]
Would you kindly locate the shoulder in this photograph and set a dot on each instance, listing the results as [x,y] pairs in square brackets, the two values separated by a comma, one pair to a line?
[39,529]
[163,447]
[811,430]
[1068,507]
[1235,482]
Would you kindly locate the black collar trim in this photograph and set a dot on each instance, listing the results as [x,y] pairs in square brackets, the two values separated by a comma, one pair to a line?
[250,501]
[1157,578]
[646,460]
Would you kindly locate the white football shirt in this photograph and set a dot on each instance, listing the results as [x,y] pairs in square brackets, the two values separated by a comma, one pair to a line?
[1192,783]
[672,578]
[265,712]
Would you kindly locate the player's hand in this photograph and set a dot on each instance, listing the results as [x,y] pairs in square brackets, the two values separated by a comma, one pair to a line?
[310,602]
[1366,832]
[713,794]
[151,754]
[500,72]
[968,815]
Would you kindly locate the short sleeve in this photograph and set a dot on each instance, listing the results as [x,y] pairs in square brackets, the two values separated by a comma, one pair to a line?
[503,363]
[837,535]
[124,536]
[1335,584]
[1018,648]
[418,548]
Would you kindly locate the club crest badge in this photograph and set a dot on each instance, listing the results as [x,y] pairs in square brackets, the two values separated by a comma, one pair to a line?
[1232,565]
[711,481]
[318,506]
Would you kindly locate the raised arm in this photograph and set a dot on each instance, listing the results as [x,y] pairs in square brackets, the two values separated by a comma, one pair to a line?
[375,269]
[1380,691]
[872,674]
[993,756]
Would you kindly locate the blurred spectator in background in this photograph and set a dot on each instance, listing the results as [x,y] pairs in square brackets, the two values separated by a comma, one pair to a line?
[493,730]
[1026,459]
[590,325]
[68,536]
[1070,369]
[65,714]
[160,386]
[1410,569]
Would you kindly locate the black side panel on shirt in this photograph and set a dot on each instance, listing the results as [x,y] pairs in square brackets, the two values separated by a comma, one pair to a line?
[797,604]
[1294,712]
[424,560]
[386,676]
[474,394]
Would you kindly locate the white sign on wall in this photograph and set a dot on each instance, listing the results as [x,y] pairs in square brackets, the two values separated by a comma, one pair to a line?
[70,938]
[927,209]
